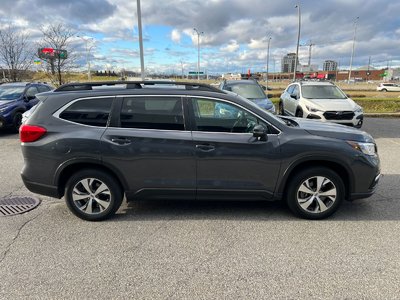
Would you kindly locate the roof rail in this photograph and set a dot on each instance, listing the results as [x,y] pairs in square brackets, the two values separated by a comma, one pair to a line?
[85,86]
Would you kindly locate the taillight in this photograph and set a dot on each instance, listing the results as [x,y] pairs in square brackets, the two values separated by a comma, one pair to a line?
[30,133]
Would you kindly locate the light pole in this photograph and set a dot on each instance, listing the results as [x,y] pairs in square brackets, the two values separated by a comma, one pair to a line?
[298,42]
[86,40]
[139,13]
[354,44]
[269,40]
[198,52]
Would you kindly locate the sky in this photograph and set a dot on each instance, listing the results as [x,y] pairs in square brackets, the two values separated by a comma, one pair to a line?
[235,32]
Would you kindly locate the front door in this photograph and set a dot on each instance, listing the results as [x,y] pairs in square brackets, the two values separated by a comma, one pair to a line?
[231,163]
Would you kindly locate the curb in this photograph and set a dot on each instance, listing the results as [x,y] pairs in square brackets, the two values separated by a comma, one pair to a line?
[382,115]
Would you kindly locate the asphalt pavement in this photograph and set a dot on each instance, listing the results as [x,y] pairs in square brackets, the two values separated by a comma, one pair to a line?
[204,250]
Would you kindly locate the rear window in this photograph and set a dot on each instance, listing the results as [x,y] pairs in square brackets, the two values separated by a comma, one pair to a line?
[93,112]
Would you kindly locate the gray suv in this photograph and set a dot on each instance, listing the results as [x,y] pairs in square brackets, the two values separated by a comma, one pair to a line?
[94,146]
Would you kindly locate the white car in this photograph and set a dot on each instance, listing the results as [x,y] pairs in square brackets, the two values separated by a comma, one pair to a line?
[388,87]
[320,101]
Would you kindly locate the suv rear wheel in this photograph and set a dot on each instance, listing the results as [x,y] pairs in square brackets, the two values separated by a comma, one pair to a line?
[315,193]
[93,195]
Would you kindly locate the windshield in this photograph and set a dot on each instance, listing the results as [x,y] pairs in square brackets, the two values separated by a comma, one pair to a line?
[249,91]
[11,92]
[322,92]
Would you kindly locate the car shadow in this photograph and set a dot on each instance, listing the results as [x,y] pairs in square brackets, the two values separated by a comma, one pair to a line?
[8,133]
[384,205]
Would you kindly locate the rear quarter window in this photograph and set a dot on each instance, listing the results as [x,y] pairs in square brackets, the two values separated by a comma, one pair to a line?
[93,112]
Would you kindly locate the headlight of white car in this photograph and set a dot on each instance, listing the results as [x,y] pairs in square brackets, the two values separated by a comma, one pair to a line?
[366,148]
[313,109]
[358,109]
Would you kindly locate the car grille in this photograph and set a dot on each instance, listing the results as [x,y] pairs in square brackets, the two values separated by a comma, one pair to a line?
[339,115]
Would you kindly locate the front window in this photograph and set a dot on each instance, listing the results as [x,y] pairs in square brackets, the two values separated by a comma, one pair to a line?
[220,116]
[322,92]
[11,92]
[249,91]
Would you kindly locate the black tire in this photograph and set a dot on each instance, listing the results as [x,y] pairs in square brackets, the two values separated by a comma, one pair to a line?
[384,90]
[299,113]
[281,108]
[312,209]
[111,198]
[17,120]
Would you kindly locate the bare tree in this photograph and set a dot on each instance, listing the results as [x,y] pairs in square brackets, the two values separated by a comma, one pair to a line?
[16,53]
[58,37]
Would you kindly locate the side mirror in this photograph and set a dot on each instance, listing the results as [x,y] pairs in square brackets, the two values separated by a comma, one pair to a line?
[228,88]
[293,96]
[264,87]
[260,132]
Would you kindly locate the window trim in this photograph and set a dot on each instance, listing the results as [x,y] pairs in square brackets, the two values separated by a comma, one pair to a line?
[191,98]
[57,113]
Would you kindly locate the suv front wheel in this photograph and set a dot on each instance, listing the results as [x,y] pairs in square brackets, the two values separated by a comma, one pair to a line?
[93,195]
[315,193]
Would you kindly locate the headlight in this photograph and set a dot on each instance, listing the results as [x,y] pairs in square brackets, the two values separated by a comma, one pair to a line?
[312,109]
[366,148]
[359,109]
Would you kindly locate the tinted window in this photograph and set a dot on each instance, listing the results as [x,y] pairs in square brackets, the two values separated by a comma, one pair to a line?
[219,116]
[290,89]
[43,88]
[322,92]
[249,91]
[295,91]
[152,113]
[94,112]
[32,91]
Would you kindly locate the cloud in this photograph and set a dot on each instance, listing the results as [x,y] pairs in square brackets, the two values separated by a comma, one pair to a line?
[231,47]
[176,36]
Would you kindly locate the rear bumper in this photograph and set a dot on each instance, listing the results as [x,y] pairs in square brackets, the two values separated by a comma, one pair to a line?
[41,189]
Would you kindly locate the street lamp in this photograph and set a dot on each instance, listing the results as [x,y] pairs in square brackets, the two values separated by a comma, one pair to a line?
[298,42]
[269,40]
[140,39]
[198,52]
[354,44]
[86,40]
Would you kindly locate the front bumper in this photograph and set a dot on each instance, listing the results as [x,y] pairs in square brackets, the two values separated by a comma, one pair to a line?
[356,120]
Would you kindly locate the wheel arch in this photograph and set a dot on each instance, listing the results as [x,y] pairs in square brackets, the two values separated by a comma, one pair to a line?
[67,170]
[339,168]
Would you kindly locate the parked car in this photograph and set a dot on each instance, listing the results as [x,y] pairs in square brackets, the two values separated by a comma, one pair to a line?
[95,146]
[388,87]
[322,101]
[251,90]
[17,98]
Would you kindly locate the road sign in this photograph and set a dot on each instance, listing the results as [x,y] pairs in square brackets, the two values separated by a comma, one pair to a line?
[196,73]
[51,53]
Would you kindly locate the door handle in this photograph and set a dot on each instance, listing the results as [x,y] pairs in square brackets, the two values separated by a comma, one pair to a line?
[121,141]
[205,147]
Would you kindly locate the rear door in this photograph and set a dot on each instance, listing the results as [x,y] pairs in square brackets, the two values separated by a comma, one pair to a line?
[231,163]
[148,144]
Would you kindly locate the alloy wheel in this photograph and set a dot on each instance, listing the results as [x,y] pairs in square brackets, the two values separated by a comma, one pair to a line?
[91,196]
[316,194]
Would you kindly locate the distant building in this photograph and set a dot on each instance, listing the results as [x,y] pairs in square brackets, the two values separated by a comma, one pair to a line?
[330,65]
[288,63]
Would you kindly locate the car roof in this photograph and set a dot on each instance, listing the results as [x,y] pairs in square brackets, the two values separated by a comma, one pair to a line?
[322,83]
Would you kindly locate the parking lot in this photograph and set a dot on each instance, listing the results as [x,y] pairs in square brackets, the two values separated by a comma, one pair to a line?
[205,250]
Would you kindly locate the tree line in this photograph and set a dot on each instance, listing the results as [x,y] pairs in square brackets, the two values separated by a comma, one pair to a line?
[18,52]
